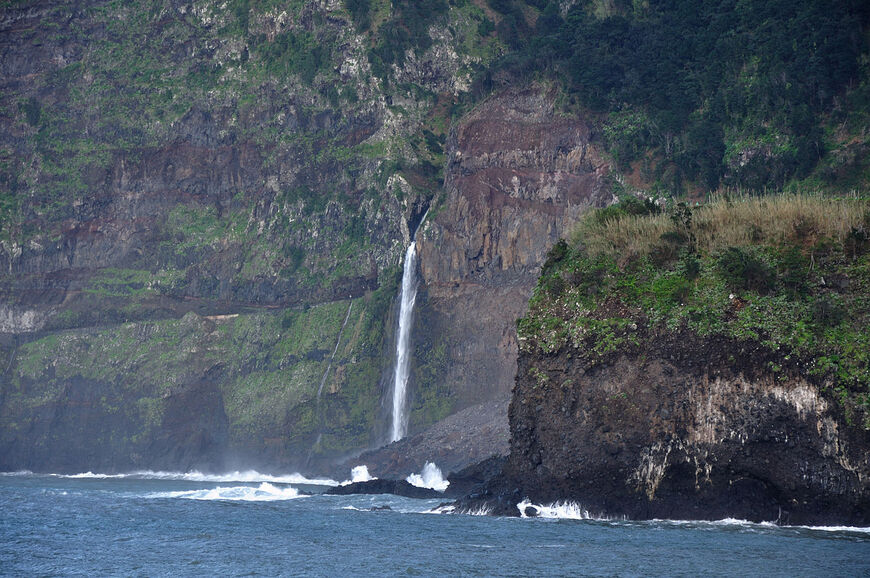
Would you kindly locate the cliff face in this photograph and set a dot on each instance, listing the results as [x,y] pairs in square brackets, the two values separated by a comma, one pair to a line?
[672,367]
[519,175]
[690,429]
[158,159]
[203,211]
[264,390]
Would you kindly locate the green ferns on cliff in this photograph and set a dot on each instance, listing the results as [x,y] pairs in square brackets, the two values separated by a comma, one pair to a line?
[787,274]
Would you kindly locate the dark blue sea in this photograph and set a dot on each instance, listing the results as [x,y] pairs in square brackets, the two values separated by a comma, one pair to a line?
[154,524]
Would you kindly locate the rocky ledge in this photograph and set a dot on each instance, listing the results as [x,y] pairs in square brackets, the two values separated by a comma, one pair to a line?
[669,369]
[378,486]
[468,481]
[453,444]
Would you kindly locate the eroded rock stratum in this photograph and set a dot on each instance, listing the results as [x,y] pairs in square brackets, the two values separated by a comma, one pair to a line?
[519,176]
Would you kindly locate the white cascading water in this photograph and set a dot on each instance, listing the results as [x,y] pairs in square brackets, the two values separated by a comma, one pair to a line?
[403,344]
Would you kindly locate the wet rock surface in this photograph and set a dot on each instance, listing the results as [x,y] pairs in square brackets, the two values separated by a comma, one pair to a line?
[385,486]
[462,483]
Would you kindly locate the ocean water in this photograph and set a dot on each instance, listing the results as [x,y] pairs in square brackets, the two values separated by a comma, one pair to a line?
[246,524]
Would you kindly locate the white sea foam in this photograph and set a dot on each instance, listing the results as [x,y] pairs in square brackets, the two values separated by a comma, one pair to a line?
[90,476]
[558,510]
[768,525]
[856,529]
[478,511]
[431,477]
[358,474]
[724,522]
[248,476]
[265,492]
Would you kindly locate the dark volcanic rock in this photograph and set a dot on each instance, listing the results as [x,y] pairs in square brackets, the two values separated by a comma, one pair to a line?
[692,429]
[519,176]
[470,479]
[384,486]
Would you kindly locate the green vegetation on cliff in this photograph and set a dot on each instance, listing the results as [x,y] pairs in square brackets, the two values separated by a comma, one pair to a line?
[268,368]
[789,275]
[255,157]
[166,166]
[749,93]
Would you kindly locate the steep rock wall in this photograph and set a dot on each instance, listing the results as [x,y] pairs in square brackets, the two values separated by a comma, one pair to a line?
[169,145]
[518,176]
[281,391]
[693,429]
[161,164]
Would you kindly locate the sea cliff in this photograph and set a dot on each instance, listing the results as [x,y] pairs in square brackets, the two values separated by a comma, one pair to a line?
[662,377]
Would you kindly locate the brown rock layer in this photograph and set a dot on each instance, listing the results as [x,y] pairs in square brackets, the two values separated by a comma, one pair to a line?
[519,175]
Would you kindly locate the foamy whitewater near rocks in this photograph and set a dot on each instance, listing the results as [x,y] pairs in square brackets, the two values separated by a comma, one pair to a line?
[358,474]
[558,510]
[265,492]
[89,525]
[430,477]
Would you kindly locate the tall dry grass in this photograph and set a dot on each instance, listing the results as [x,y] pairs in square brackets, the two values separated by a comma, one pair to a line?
[802,219]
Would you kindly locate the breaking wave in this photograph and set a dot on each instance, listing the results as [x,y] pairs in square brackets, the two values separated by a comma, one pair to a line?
[856,529]
[247,476]
[558,510]
[358,474]
[430,477]
[735,522]
[757,526]
[574,511]
[265,492]
[478,511]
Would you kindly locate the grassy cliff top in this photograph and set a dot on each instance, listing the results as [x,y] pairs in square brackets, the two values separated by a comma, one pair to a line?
[788,274]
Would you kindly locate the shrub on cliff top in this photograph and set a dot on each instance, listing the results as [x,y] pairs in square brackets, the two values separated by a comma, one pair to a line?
[777,272]
[802,220]
[742,269]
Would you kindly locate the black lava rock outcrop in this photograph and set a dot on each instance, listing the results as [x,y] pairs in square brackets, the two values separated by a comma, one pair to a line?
[692,429]
[385,486]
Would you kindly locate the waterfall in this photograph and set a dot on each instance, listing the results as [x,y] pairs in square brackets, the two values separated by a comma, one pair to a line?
[403,344]
[403,341]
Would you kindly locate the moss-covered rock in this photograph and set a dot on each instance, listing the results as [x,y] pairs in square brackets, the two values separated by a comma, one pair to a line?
[259,387]
[789,274]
